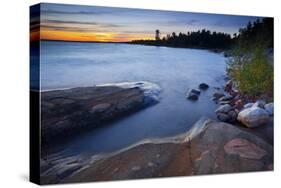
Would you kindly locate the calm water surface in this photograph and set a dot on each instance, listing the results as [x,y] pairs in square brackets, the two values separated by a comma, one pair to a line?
[72,64]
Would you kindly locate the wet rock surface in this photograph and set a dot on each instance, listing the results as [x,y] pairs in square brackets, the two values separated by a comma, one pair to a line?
[68,112]
[193,94]
[208,147]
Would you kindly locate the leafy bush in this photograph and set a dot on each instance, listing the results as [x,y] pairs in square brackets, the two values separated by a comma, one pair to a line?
[251,71]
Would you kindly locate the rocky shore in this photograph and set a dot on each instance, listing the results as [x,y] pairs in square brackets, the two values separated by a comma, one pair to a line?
[65,113]
[209,147]
[233,107]
[240,140]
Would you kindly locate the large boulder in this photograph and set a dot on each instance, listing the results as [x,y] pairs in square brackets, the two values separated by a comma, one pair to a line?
[209,147]
[269,108]
[253,117]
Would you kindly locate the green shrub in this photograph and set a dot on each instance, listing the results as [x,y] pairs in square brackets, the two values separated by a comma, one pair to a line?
[251,71]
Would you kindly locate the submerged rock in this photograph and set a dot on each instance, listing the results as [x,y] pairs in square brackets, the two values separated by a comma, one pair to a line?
[253,117]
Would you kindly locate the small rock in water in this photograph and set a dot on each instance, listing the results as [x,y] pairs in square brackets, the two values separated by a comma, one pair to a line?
[196,91]
[269,108]
[193,94]
[203,86]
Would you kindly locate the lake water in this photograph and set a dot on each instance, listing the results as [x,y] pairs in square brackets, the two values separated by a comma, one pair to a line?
[175,70]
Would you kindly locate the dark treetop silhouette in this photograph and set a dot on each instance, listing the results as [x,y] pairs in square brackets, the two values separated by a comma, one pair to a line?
[259,29]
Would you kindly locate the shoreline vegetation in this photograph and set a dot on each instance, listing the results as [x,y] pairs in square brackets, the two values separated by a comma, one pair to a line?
[240,140]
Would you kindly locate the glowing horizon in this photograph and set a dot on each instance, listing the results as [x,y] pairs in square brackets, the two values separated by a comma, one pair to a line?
[89,37]
[106,24]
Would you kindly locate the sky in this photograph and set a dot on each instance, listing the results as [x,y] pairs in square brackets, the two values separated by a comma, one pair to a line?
[107,24]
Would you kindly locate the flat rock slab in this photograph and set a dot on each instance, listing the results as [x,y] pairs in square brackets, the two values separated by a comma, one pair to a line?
[65,113]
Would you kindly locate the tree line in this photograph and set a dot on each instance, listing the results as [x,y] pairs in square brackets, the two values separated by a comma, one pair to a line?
[194,39]
[261,30]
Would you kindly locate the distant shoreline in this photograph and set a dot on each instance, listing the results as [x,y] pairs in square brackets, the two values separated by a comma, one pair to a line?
[130,42]
[82,41]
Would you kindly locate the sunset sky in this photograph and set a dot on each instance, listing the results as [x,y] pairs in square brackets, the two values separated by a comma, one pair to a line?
[92,23]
